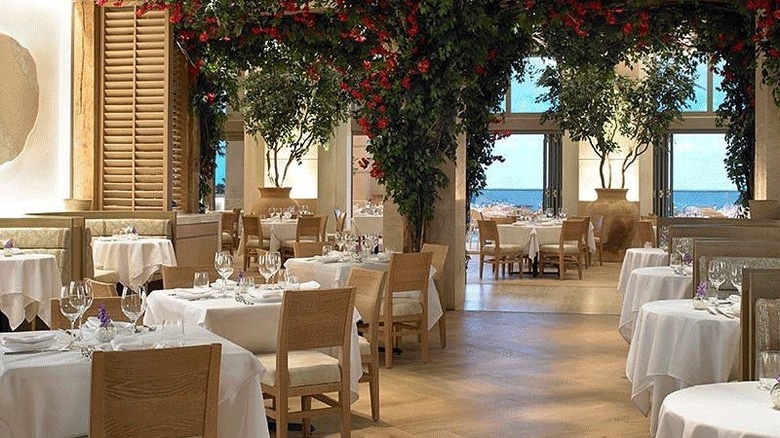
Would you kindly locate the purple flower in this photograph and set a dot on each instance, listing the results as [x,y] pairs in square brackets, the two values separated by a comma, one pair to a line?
[240,276]
[105,320]
[687,258]
[701,290]
[133,230]
[9,244]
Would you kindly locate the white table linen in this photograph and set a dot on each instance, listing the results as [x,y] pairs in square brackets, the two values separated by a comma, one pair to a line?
[253,327]
[531,237]
[367,224]
[651,284]
[28,282]
[335,275]
[674,347]
[640,258]
[722,410]
[134,260]
[278,231]
[47,395]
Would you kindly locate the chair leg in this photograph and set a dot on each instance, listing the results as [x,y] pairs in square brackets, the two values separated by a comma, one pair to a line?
[481,265]
[424,343]
[389,346]
[561,267]
[579,266]
[443,330]
[373,386]
[306,406]
[282,409]
[346,413]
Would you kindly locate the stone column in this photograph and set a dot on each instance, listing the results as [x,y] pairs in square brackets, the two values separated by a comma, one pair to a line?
[254,169]
[766,176]
[334,171]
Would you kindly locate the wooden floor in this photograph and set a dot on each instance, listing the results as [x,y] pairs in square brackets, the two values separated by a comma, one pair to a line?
[530,358]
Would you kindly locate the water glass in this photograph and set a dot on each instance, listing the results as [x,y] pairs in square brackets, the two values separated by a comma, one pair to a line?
[134,303]
[292,283]
[72,302]
[201,281]
[327,249]
[736,277]
[172,334]
[768,368]
[717,276]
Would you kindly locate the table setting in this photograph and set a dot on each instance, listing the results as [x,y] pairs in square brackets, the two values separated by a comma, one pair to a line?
[27,284]
[640,258]
[134,259]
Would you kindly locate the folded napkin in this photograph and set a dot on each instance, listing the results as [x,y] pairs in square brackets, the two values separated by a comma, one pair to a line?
[734,298]
[135,342]
[266,296]
[309,285]
[26,339]
[327,258]
[193,294]
[230,283]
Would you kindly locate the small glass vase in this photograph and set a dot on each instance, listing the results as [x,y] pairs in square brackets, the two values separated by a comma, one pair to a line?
[699,303]
[774,395]
[105,334]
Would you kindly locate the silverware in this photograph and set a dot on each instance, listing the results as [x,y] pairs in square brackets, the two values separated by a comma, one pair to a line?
[724,313]
[241,299]
[711,310]
[8,353]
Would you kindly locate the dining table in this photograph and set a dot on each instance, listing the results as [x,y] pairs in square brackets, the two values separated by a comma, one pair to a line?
[278,230]
[651,284]
[675,346]
[721,410]
[531,235]
[135,260]
[365,224]
[252,324]
[28,282]
[640,258]
[46,394]
[333,272]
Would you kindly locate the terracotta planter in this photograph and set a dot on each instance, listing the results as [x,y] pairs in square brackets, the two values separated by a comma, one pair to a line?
[272,197]
[620,217]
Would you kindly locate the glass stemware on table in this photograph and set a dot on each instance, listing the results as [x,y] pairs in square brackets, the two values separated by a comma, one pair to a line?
[269,264]
[223,263]
[735,275]
[716,273]
[72,303]
[134,303]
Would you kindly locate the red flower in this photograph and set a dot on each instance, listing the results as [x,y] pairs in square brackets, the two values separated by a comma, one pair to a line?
[381,109]
[737,47]
[627,28]
[480,70]
[211,97]
[376,171]
[382,123]
[423,66]
[406,82]
[204,36]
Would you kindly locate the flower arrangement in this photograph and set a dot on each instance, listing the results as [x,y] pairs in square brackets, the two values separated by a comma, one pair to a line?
[8,244]
[687,259]
[701,290]
[105,319]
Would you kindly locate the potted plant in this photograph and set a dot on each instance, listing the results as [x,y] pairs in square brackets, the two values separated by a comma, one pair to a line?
[293,105]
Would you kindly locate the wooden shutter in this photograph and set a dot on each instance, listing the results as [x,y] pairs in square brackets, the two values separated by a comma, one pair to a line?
[143,113]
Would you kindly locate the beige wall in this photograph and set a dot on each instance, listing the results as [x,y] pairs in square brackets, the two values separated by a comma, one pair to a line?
[767,166]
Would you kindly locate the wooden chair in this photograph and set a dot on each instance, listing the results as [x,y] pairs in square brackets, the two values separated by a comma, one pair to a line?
[229,226]
[254,242]
[598,226]
[113,306]
[759,316]
[368,300]
[164,393]
[308,249]
[645,232]
[100,289]
[341,219]
[492,251]
[438,261]
[402,316]
[569,248]
[584,237]
[183,276]
[309,228]
[310,320]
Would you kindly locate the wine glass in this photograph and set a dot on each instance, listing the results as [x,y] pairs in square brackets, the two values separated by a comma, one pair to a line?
[88,296]
[735,273]
[134,303]
[269,264]
[223,263]
[682,248]
[717,276]
[72,302]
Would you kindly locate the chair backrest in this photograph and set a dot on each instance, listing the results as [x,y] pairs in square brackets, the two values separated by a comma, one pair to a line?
[763,253]
[584,235]
[439,257]
[252,227]
[475,215]
[408,272]
[183,276]
[572,230]
[598,224]
[323,227]
[743,230]
[229,219]
[100,289]
[368,297]
[113,307]
[308,249]
[645,233]
[315,319]
[309,227]
[504,220]
[488,233]
[164,393]
[759,312]
[341,219]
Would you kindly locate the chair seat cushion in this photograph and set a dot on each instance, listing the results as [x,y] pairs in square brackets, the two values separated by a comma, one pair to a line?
[364,345]
[305,367]
[568,248]
[503,249]
[227,237]
[404,306]
[253,242]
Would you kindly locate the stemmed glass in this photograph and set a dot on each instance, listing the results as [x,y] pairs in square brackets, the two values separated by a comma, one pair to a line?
[682,248]
[223,263]
[88,295]
[717,276]
[134,303]
[735,272]
[72,302]
[269,264]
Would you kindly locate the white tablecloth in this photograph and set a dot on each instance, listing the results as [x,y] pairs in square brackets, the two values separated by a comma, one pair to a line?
[253,327]
[27,284]
[47,395]
[335,275]
[134,260]
[640,258]
[279,231]
[674,347]
[530,237]
[723,410]
[364,225]
[651,284]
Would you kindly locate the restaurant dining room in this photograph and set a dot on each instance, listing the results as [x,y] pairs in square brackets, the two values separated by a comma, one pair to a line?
[371,218]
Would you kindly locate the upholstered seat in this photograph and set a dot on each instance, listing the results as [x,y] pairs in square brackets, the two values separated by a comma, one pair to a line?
[364,345]
[503,249]
[568,248]
[305,368]
[404,306]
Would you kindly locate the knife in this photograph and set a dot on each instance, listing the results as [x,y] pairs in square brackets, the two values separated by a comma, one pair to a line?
[7,353]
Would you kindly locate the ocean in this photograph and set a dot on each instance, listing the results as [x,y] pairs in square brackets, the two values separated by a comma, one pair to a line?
[717,199]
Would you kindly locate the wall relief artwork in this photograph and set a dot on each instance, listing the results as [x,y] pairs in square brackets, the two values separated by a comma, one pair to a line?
[18,97]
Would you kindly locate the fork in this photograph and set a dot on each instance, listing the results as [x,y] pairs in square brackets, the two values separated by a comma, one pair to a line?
[241,299]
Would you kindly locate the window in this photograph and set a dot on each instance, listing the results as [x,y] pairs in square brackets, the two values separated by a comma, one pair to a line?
[699,177]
